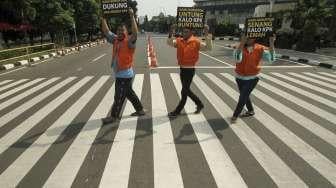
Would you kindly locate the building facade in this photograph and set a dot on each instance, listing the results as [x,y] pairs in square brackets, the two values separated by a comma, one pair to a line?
[236,11]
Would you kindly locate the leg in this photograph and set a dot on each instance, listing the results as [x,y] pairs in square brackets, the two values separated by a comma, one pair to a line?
[246,88]
[132,97]
[191,94]
[184,92]
[119,97]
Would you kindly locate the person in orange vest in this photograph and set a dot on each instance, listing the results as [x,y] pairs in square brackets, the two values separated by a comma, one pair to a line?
[122,65]
[188,47]
[248,56]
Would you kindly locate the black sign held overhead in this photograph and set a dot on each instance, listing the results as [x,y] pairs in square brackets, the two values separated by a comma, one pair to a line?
[114,7]
[190,17]
[259,27]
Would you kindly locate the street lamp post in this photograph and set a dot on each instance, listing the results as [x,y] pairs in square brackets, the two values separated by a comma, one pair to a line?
[74,28]
[271,6]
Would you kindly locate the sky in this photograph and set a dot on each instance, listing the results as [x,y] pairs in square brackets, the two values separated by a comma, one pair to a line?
[154,7]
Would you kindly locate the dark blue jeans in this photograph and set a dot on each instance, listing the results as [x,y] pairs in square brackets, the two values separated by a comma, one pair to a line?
[245,88]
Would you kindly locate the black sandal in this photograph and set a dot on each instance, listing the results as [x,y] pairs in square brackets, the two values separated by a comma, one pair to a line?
[247,114]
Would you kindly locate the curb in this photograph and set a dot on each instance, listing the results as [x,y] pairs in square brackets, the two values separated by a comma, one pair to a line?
[58,53]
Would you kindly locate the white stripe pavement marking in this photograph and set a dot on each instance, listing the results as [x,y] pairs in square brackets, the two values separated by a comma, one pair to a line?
[331,86]
[305,84]
[17,111]
[225,67]
[11,137]
[328,74]
[21,166]
[302,149]
[12,84]
[222,168]
[166,165]
[301,91]
[65,172]
[96,59]
[314,109]
[281,174]
[118,164]
[17,89]
[5,82]
[304,122]
[209,56]
[320,77]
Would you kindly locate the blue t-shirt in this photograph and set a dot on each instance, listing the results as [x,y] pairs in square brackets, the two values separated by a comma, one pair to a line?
[128,73]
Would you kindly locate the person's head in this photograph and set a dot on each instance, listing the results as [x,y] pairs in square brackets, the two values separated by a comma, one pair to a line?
[250,41]
[187,33]
[121,32]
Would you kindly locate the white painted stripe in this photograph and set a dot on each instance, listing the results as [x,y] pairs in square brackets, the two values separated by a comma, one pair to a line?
[12,84]
[65,172]
[5,82]
[314,109]
[222,168]
[11,137]
[281,174]
[209,56]
[222,67]
[17,111]
[301,91]
[331,86]
[321,77]
[118,164]
[305,84]
[21,166]
[166,166]
[328,74]
[17,89]
[304,122]
[302,149]
[96,59]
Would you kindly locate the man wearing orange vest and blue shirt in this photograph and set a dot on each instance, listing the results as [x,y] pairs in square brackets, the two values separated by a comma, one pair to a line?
[122,65]
[248,56]
[188,47]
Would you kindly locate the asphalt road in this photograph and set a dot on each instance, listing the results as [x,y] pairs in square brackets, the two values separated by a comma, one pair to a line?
[51,134]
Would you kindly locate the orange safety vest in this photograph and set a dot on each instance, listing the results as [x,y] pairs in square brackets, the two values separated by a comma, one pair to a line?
[188,51]
[124,54]
[250,64]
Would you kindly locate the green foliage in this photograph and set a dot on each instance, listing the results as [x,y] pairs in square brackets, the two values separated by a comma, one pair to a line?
[160,23]
[226,28]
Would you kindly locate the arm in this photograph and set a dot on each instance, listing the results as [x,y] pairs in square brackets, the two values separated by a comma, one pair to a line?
[134,26]
[269,53]
[170,41]
[108,34]
[207,46]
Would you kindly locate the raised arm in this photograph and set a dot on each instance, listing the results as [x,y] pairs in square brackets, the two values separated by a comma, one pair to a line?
[170,40]
[207,46]
[105,28]
[133,25]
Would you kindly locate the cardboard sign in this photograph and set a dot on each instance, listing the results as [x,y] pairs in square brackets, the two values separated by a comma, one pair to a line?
[190,17]
[114,7]
[259,27]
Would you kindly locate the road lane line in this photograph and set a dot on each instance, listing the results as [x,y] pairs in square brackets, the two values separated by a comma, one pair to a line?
[304,122]
[166,165]
[27,105]
[21,166]
[331,86]
[222,67]
[222,168]
[209,56]
[5,82]
[297,101]
[320,77]
[301,148]
[17,89]
[96,59]
[327,74]
[13,84]
[65,172]
[11,137]
[118,165]
[305,84]
[312,96]
[278,170]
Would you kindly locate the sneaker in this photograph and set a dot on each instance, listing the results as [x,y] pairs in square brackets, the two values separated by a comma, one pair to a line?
[173,114]
[108,120]
[247,114]
[199,109]
[234,120]
[139,113]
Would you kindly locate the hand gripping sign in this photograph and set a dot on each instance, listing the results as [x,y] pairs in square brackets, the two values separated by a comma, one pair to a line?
[190,17]
[259,27]
[114,7]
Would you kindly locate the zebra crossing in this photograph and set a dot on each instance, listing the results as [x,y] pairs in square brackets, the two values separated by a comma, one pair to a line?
[50,127]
